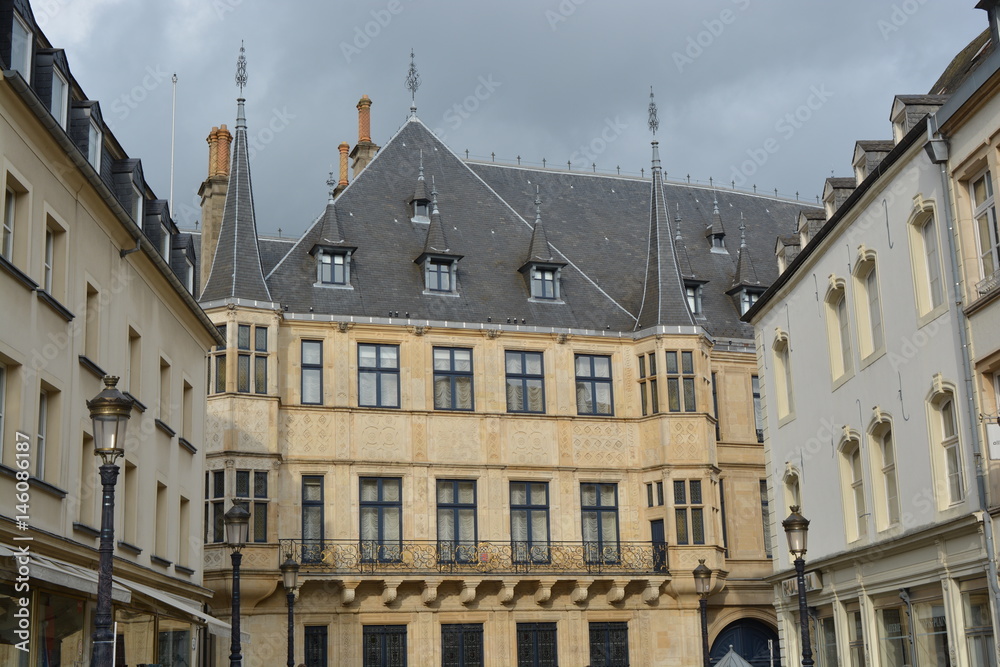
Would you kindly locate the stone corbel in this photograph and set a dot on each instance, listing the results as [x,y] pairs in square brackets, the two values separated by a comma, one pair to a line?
[617,591]
[506,595]
[580,591]
[651,594]
[347,592]
[430,592]
[468,594]
[544,592]
[389,591]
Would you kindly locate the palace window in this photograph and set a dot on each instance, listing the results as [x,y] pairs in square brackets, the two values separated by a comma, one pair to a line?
[254,357]
[544,283]
[654,494]
[853,485]
[334,267]
[536,645]
[219,358]
[378,376]
[251,494]
[456,520]
[692,292]
[887,491]
[440,275]
[758,414]
[525,382]
[312,372]
[689,511]
[926,260]
[384,645]
[648,396]
[215,506]
[315,650]
[680,382]
[381,519]
[609,645]
[945,444]
[593,385]
[312,518]
[599,503]
[453,379]
[529,521]
[985,215]
[462,645]
[871,334]
[838,329]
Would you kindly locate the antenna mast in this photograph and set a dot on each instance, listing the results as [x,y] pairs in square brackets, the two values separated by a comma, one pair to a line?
[173,128]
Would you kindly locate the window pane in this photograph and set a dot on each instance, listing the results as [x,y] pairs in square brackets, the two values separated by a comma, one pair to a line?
[220,373]
[608,495]
[388,356]
[589,494]
[442,359]
[673,395]
[260,375]
[312,352]
[680,494]
[689,403]
[390,390]
[680,516]
[366,356]
[603,391]
[513,362]
[697,526]
[260,339]
[244,337]
[260,485]
[366,389]
[391,490]
[687,362]
[242,483]
[243,373]
[533,363]
[671,362]
[602,367]
[311,392]
[696,492]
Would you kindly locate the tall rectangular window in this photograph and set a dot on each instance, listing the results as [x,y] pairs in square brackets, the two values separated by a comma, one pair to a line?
[215,506]
[59,98]
[525,382]
[333,268]
[839,333]
[715,407]
[312,518]
[950,448]
[543,283]
[680,382]
[133,372]
[20,46]
[260,359]
[529,521]
[722,517]
[243,358]
[184,531]
[456,520]
[856,639]
[88,472]
[689,511]
[452,378]
[378,376]
[593,385]
[315,649]
[462,645]
[130,503]
[384,645]
[874,308]
[92,324]
[536,645]
[854,491]
[649,397]
[9,218]
[187,407]
[893,637]
[162,518]
[312,372]
[439,275]
[935,286]
[251,494]
[826,642]
[890,484]
[381,519]
[599,505]
[765,516]
[219,353]
[40,436]
[758,414]
[166,412]
[47,259]
[95,141]
[609,645]
[984,212]
[654,494]
[978,628]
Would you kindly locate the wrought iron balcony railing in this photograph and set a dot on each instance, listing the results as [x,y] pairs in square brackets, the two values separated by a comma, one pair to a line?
[437,557]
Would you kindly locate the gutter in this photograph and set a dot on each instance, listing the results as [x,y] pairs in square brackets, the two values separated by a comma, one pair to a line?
[28,96]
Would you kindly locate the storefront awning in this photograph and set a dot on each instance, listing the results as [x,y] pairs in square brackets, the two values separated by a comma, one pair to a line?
[61,573]
[186,607]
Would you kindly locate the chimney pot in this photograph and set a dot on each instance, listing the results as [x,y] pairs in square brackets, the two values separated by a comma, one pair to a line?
[364,119]
[344,150]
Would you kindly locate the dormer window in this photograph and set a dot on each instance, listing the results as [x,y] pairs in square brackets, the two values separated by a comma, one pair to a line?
[334,268]
[439,275]
[692,292]
[189,274]
[719,242]
[165,242]
[747,299]
[20,47]
[59,97]
[94,141]
[421,210]
[544,282]
[137,205]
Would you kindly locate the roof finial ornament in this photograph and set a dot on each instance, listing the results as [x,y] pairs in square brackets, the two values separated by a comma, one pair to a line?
[715,203]
[332,184]
[412,84]
[434,198]
[420,176]
[654,121]
[241,69]
[677,220]
[538,206]
[743,232]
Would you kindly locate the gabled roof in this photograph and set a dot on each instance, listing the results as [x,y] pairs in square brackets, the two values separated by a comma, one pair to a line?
[236,269]
[716,228]
[539,252]
[437,242]
[732,659]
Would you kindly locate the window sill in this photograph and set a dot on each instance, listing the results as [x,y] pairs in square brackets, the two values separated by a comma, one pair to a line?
[86,530]
[183,570]
[539,299]
[790,417]
[92,367]
[873,357]
[39,484]
[429,292]
[160,561]
[840,381]
[60,310]
[131,548]
[183,442]
[930,316]
[18,275]
[333,286]
[163,427]
[136,403]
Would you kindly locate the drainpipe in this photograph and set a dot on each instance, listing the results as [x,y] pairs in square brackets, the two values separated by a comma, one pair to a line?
[937,149]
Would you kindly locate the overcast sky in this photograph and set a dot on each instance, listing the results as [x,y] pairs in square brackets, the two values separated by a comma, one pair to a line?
[769,93]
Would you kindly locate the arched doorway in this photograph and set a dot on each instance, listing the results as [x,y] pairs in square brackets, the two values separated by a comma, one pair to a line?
[748,637]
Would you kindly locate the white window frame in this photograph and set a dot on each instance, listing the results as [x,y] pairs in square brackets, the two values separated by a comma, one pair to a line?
[886,442]
[329,259]
[58,107]
[137,208]
[452,275]
[9,224]
[852,468]
[95,145]
[984,218]
[189,275]
[165,238]
[868,306]
[946,442]
[48,259]
[24,67]
[839,331]
[42,434]
[932,262]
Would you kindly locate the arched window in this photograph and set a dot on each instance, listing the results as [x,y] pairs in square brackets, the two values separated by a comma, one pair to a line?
[853,487]
[871,334]
[946,451]
[839,330]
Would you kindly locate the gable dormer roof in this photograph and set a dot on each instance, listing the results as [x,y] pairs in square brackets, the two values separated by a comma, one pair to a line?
[539,250]
[716,228]
[436,244]
[746,274]
[236,270]
[420,192]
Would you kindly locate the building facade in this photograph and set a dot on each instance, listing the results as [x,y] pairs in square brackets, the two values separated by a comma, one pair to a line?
[95,280]
[497,414]
[871,411]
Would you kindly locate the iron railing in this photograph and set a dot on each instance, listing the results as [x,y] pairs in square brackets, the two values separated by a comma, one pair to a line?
[434,557]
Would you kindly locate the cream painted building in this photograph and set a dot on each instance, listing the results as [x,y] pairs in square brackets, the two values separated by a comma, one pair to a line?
[872,422]
[95,281]
[493,431]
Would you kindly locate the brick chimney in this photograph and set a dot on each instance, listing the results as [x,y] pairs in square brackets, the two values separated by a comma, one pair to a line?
[342,184]
[365,150]
[213,198]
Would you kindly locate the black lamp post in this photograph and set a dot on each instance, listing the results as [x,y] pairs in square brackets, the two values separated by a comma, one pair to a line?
[703,586]
[797,530]
[290,575]
[237,527]
[109,411]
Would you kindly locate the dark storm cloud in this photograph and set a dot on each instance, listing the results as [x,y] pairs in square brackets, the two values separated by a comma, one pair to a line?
[772,94]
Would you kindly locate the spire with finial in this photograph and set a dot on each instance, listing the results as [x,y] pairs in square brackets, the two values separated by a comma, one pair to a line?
[654,121]
[745,274]
[241,80]
[743,232]
[412,84]
[716,230]
[539,251]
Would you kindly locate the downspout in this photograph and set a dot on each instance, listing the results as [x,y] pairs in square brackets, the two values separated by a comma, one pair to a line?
[938,150]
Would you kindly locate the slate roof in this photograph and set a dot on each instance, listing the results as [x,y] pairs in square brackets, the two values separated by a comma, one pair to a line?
[963,64]
[236,267]
[599,226]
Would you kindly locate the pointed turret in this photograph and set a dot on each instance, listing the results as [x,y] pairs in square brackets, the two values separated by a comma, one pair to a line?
[437,243]
[541,269]
[236,270]
[716,231]
[331,233]
[746,274]
[663,300]
[419,201]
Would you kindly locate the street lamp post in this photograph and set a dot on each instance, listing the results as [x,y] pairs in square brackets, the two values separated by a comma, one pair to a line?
[109,411]
[237,527]
[703,586]
[796,530]
[290,575]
